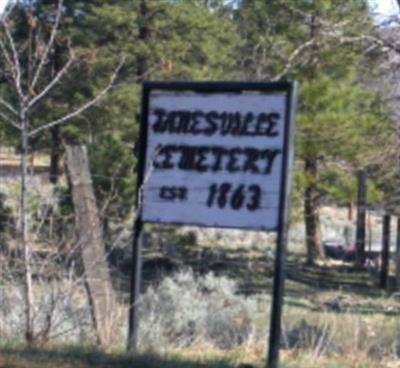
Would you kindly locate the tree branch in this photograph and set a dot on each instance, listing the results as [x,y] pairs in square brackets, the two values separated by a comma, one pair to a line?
[11,121]
[5,53]
[49,45]
[293,56]
[336,30]
[8,106]
[55,80]
[80,109]
[16,66]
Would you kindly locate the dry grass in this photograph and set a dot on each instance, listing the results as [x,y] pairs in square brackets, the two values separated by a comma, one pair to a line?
[9,157]
[73,357]
[296,359]
[201,357]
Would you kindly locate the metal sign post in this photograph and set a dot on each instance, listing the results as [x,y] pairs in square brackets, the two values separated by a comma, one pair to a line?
[282,239]
[136,271]
[135,286]
[218,154]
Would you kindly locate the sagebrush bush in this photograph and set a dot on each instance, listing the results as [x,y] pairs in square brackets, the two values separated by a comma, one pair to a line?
[183,310]
[61,312]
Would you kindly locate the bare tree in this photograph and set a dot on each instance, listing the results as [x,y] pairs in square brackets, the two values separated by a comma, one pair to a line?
[29,86]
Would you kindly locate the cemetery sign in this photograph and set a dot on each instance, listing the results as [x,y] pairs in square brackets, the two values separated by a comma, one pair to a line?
[215,154]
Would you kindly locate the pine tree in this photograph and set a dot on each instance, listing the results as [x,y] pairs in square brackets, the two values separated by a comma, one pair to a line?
[302,40]
[181,40]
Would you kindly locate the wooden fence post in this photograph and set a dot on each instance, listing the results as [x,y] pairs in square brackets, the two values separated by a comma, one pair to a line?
[91,244]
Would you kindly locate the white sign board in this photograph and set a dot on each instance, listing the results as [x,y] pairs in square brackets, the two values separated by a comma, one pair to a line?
[214,158]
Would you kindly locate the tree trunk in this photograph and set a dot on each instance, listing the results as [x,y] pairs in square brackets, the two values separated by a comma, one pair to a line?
[24,236]
[398,254]
[361,218]
[55,154]
[385,251]
[91,244]
[144,36]
[314,246]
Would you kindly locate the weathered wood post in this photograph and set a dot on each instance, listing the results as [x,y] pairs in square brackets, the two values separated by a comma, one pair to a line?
[91,244]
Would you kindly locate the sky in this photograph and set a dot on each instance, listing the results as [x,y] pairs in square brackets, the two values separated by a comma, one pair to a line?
[2,4]
[384,7]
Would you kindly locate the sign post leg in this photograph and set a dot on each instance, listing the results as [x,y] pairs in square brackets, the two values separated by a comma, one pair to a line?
[277,300]
[282,241]
[135,286]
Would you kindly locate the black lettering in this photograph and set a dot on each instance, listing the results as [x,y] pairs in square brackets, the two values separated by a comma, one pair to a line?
[209,123]
[212,124]
[166,158]
[212,192]
[182,124]
[261,121]
[218,152]
[172,193]
[200,164]
[170,121]
[216,158]
[255,199]
[252,156]
[266,124]
[166,193]
[273,119]
[223,194]
[182,193]
[194,129]
[187,160]
[232,165]
[269,155]
[225,123]
[159,126]
[246,124]
[238,197]
[236,123]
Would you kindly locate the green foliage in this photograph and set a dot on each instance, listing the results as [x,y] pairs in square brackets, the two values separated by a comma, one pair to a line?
[336,118]
[182,40]
[274,31]
[199,40]
[5,216]
[112,171]
[154,39]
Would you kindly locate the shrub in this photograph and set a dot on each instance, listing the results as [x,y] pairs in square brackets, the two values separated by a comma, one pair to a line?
[183,310]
